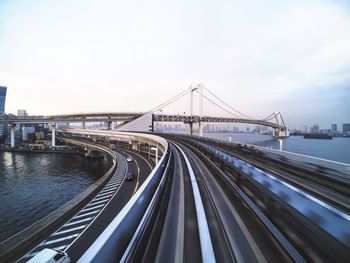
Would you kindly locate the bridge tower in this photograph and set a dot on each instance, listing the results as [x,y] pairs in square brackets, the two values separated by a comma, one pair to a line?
[282,130]
[198,88]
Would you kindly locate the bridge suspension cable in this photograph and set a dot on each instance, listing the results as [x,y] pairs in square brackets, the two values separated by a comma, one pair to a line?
[235,115]
[270,117]
[173,99]
[227,105]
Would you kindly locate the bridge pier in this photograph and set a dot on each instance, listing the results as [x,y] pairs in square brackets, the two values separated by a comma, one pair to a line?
[191,128]
[280,133]
[135,145]
[83,125]
[13,135]
[198,88]
[53,134]
[200,129]
[109,125]
[24,133]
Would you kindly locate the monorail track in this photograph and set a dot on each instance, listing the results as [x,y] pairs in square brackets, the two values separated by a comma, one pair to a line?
[302,227]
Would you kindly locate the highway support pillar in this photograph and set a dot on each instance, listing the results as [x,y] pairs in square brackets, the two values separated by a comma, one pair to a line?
[24,133]
[53,134]
[134,145]
[200,129]
[191,128]
[83,125]
[109,127]
[13,136]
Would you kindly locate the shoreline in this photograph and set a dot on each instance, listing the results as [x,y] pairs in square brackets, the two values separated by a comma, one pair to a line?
[67,150]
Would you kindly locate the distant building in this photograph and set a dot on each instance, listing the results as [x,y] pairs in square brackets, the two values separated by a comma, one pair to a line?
[303,128]
[22,113]
[257,129]
[334,128]
[314,128]
[346,128]
[327,131]
[2,109]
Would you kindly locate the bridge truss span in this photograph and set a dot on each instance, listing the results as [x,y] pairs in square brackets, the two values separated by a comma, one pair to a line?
[193,119]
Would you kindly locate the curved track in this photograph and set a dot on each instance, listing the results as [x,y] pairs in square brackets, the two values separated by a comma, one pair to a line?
[300,226]
[202,216]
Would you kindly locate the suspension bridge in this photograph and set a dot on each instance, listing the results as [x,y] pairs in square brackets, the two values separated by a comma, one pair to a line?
[203,107]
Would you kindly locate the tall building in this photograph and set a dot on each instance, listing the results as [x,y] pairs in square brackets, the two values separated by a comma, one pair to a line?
[22,113]
[346,128]
[314,128]
[2,109]
[334,127]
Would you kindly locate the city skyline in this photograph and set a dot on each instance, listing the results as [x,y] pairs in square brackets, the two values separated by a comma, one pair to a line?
[292,57]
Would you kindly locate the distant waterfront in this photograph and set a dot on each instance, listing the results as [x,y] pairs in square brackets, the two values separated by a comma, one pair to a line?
[34,184]
[337,149]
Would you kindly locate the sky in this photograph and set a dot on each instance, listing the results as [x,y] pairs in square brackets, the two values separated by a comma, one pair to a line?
[260,56]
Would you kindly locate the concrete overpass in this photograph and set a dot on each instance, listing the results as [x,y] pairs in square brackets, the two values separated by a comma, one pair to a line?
[74,118]
[108,117]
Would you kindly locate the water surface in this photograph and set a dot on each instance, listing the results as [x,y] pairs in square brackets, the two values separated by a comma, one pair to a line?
[337,149]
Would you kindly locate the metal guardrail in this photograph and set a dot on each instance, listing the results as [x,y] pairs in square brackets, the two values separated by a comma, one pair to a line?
[301,201]
[312,160]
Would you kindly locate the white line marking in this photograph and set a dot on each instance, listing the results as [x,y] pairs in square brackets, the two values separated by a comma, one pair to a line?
[108,191]
[204,234]
[77,222]
[104,194]
[87,214]
[97,202]
[60,239]
[68,230]
[92,208]
[102,197]
[111,187]
[60,248]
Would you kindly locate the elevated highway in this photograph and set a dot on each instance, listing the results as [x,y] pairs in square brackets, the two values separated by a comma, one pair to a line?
[72,118]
